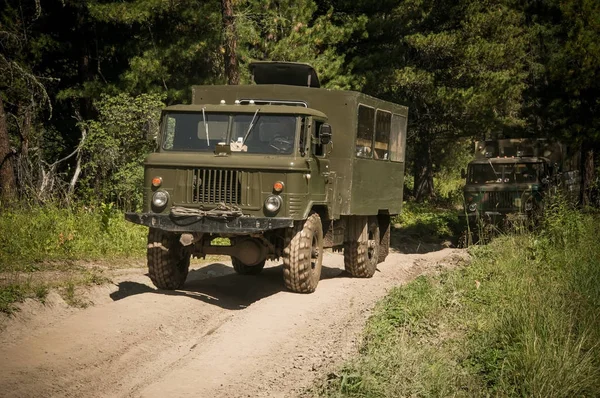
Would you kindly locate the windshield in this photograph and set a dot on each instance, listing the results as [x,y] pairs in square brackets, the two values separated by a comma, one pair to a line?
[507,173]
[246,133]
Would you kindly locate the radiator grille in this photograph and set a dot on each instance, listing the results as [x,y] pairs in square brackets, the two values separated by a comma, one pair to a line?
[213,186]
[498,200]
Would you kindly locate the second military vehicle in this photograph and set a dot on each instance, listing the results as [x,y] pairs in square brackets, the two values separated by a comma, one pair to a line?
[281,169]
[510,177]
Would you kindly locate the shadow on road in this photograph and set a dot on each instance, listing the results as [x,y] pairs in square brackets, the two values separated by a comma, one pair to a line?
[218,284]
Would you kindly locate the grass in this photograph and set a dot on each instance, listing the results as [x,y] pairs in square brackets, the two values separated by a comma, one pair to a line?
[519,320]
[38,241]
[427,222]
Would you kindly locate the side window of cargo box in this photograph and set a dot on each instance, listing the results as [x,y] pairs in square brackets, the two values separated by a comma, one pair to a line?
[364,132]
[398,138]
[383,121]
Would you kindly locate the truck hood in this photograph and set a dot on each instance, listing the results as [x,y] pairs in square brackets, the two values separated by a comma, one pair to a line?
[235,161]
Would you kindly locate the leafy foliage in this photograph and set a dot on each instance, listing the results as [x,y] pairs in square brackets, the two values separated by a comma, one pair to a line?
[116,148]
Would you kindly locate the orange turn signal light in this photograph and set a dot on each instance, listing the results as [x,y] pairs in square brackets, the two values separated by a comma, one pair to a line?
[156,182]
[278,186]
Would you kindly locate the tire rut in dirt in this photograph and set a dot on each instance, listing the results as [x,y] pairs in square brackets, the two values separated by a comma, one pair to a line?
[168,262]
[360,260]
[303,255]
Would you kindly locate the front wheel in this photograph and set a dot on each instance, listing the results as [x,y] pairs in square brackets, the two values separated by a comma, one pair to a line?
[168,261]
[303,255]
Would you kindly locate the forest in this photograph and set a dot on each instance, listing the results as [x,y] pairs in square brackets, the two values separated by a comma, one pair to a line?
[83,82]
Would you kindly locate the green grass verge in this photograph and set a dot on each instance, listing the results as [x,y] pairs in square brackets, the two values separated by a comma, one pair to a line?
[52,239]
[45,234]
[520,320]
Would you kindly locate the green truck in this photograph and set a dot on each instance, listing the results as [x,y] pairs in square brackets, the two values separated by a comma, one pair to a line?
[283,169]
[509,178]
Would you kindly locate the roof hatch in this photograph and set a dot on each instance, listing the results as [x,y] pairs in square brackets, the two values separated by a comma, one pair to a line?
[289,73]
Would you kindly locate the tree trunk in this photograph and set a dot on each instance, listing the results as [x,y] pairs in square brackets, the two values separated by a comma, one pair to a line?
[588,175]
[423,172]
[8,186]
[232,71]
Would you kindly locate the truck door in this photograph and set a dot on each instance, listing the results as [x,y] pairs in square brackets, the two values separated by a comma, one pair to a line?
[320,174]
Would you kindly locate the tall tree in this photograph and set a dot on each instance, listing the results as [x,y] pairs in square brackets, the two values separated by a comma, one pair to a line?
[459,66]
[298,31]
[8,188]
[232,72]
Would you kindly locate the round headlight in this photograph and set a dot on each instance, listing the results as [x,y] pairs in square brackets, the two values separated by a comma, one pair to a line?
[473,207]
[273,203]
[160,198]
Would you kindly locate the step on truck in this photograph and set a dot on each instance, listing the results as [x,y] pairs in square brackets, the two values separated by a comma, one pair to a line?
[281,169]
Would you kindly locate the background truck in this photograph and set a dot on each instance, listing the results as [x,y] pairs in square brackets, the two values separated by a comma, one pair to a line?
[510,177]
[283,169]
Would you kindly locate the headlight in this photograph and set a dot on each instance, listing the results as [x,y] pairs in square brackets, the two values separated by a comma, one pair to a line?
[529,205]
[273,203]
[160,199]
[473,207]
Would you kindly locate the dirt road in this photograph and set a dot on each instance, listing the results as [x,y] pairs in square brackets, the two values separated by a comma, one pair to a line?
[223,335]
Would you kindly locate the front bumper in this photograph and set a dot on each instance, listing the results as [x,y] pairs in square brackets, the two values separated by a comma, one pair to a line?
[491,216]
[239,225]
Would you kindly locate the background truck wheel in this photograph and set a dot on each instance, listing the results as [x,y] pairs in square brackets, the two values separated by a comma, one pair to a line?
[303,256]
[168,261]
[361,248]
[244,269]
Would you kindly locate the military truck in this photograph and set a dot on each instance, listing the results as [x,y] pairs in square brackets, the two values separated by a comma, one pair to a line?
[281,169]
[510,177]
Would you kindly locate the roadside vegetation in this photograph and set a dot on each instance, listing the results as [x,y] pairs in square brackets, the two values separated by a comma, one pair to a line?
[40,248]
[519,320]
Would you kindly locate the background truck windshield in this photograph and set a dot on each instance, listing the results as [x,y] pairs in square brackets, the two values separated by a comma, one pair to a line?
[266,134]
[525,172]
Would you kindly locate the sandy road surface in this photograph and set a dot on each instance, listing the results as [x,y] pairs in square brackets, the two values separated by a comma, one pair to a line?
[223,335]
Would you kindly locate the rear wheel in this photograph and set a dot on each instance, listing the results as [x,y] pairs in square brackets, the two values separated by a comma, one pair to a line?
[384,232]
[303,255]
[168,261]
[244,269]
[361,248]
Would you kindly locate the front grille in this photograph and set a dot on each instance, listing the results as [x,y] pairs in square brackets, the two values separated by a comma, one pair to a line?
[214,186]
[498,200]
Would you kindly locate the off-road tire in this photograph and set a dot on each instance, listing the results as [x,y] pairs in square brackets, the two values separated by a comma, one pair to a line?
[168,261]
[244,269]
[360,260]
[303,255]
[384,232]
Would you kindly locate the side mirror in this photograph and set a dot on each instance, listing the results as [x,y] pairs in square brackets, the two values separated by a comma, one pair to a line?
[150,130]
[325,134]
[463,174]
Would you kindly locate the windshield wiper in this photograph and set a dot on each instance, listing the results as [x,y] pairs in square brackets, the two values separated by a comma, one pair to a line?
[205,127]
[250,127]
